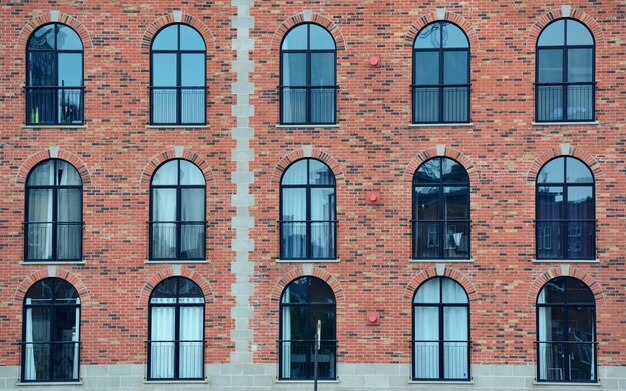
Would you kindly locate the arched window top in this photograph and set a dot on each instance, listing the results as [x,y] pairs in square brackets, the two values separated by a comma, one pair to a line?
[565,32]
[51,290]
[308,36]
[54,172]
[440,290]
[178,172]
[178,37]
[441,35]
[440,170]
[565,290]
[308,172]
[308,290]
[54,36]
[177,290]
[563,169]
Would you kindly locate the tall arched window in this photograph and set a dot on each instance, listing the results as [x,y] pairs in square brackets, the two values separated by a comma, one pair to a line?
[566,227]
[50,345]
[304,302]
[176,334]
[54,213]
[307,210]
[565,88]
[178,76]
[441,74]
[177,212]
[566,332]
[54,78]
[307,78]
[441,331]
[441,219]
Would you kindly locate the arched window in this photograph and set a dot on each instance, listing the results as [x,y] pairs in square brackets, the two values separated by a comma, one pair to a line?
[304,302]
[566,227]
[441,74]
[54,78]
[178,76]
[176,335]
[441,331]
[308,86]
[54,213]
[50,346]
[441,223]
[177,215]
[566,332]
[307,210]
[565,86]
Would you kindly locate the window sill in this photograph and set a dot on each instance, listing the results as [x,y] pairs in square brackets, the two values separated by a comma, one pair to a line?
[52,263]
[412,260]
[60,126]
[307,261]
[166,261]
[49,384]
[566,384]
[308,126]
[565,260]
[441,382]
[175,381]
[173,126]
[440,125]
[277,381]
[565,123]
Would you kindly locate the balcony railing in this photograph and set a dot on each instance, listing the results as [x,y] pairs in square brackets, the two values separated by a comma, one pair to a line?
[54,105]
[56,361]
[53,241]
[175,360]
[296,358]
[440,104]
[177,240]
[565,102]
[307,239]
[567,361]
[443,360]
[178,106]
[304,105]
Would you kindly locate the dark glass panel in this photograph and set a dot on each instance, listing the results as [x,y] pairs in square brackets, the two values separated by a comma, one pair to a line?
[326,314]
[64,291]
[554,291]
[550,66]
[553,34]
[188,288]
[427,240]
[190,39]
[296,38]
[580,240]
[580,102]
[550,103]
[41,69]
[69,205]
[69,241]
[166,39]
[429,37]
[580,65]
[297,291]
[549,240]
[426,68]
[455,104]
[322,69]
[320,38]
[578,33]
[429,171]
[427,203]
[320,292]
[192,70]
[67,39]
[456,240]
[550,203]
[426,104]
[192,204]
[42,38]
[577,291]
[166,288]
[320,174]
[41,291]
[456,202]
[552,172]
[294,240]
[294,69]
[453,172]
[580,204]
[455,67]
[164,70]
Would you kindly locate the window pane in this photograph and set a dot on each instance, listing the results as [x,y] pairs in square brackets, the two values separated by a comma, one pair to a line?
[578,34]
[40,205]
[322,204]
[322,69]
[455,104]
[42,38]
[193,103]
[42,174]
[550,203]
[580,204]
[453,172]
[192,204]
[69,238]
[429,171]
[426,104]
[164,106]
[428,293]
[320,292]
[455,326]
[67,39]
[297,291]
[455,67]
[453,37]
[549,240]
[163,204]
[69,205]
[41,69]
[320,174]
[321,38]
[323,105]
[190,39]
[427,240]
[70,69]
[427,203]
[294,204]
[192,241]
[294,69]
[190,174]
[550,65]
[552,172]
[456,243]
[580,102]
[426,68]
[580,65]
[453,292]
[296,38]
[296,174]
[64,292]
[553,34]
[164,240]
[294,102]
[580,240]
[67,175]
[322,240]
[550,103]
[456,201]
[192,70]
[166,174]
[164,69]
[166,39]
[40,241]
[429,37]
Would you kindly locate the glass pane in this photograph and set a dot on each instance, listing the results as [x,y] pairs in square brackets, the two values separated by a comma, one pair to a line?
[320,174]
[192,106]
[67,175]
[297,291]
[553,292]
[426,240]
[64,292]
[41,292]
[550,103]
[580,65]
[294,102]
[550,203]
[164,205]
[293,240]
[190,174]
[294,204]
[553,34]
[323,106]
[455,359]
[429,37]
[164,240]
[550,66]
[426,360]
[455,324]
[426,323]
[453,37]
[69,205]
[69,238]
[453,172]
[64,324]
[428,292]
[67,39]
[192,205]
[577,291]
[40,241]
[456,203]
[427,203]
[294,323]
[549,240]
[166,174]
[455,104]
[190,39]
[164,69]
[455,67]
[192,241]
[41,69]
[580,240]
[188,288]
[552,172]
[580,205]
[42,174]
[322,69]
[320,292]
[164,105]
[325,313]
[429,171]
[322,204]
[296,173]
[426,104]
[70,69]
[322,240]
[296,38]
[321,38]
[166,39]
[453,292]
[192,70]
[42,38]
[456,243]
[166,288]
[426,68]
[580,102]
[40,205]
[294,69]
[578,33]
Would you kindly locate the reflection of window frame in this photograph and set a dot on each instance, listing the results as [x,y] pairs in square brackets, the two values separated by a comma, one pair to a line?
[576,245]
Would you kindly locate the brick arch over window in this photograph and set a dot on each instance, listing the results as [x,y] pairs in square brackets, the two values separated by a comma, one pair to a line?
[558,13]
[307,17]
[53,17]
[176,17]
[156,161]
[441,151]
[563,150]
[452,17]
[303,153]
[302,271]
[174,271]
[563,271]
[51,271]
[456,275]
[32,161]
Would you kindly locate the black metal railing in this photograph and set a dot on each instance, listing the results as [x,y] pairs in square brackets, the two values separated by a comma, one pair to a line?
[54,105]
[566,239]
[566,361]
[54,361]
[441,239]
[440,104]
[443,360]
[177,240]
[296,358]
[53,241]
[565,102]
[174,360]
[306,239]
[303,105]
[178,106]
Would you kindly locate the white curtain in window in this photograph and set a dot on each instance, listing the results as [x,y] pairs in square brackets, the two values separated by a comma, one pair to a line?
[29,360]
[191,342]
[455,353]
[426,331]
[545,325]
[40,235]
[162,342]
[164,209]
[286,336]
[294,234]
[192,209]
[76,338]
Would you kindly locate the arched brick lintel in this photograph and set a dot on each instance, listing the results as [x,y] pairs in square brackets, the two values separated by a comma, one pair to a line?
[162,157]
[300,271]
[581,16]
[542,279]
[174,271]
[47,17]
[563,150]
[456,275]
[32,161]
[452,17]
[449,152]
[205,32]
[298,154]
[51,271]
[305,17]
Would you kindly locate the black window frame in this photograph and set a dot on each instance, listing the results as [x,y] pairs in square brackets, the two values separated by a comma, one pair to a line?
[308,186]
[54,344]
[565,344]
[177,340]
[179,223]
[564,84]
[441,222]
[308,87]
[565,220]
[441,86]
[55,212]
[33,92]
[178,87]
[441,341]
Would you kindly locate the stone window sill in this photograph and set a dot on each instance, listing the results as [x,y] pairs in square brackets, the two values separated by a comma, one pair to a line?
[52,263]
[166,261]
[49,384]
[565,123]
[54,126]
[277,381]
[565,260]
[177,126]
[440,125]
[205,381]
[441,382]
[565,384]
[441,260]
[307,261]
[307,126]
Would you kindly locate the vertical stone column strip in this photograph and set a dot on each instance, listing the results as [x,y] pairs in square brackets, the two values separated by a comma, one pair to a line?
[242,200]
